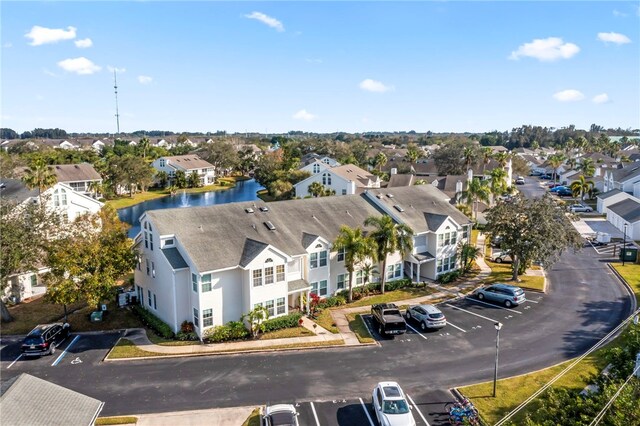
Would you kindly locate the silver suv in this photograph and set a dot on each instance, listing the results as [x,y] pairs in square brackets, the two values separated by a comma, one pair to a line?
[508,295]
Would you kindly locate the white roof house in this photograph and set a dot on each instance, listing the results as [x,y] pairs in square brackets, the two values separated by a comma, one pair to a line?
[188,164]
[344,180]
[623,178]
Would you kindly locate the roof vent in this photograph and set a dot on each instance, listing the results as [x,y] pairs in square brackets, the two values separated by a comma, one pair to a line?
[379,196]
[264,209]
[398,207]
[77,167]
[248,210]
[270,226]
[389,195]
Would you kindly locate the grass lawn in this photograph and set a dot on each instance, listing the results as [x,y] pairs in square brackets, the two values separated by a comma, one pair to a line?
[125,348]
[115,318]
[501,272]
[154,338]
[392,296]
[325,320]
[28,315]
[631,273]
[286,332]
[253,419]
[356,324]
[474,236]
[121,420]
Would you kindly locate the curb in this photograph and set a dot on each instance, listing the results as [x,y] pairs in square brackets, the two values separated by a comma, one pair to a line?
[634,302]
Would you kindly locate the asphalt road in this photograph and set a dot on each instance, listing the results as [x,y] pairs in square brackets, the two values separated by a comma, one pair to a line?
[583,303]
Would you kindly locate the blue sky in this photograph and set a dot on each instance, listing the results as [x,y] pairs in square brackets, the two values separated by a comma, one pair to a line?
[323,66]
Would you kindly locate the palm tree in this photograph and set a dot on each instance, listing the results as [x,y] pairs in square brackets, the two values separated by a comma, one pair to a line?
[356,248]
[413,153]
[390,237]
[40,176]
[571,163]
[555,161]
[469,155]
[486,154]
[502,158]
[163,178]
[380,160]
[587,167]
[498,183]
[468,254]
[581,187]
[144,145]
[477,190]
[316,189]
[95,187]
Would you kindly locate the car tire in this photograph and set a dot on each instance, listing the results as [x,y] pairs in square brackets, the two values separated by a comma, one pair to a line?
[498,260]
[52,349]
[423,326]
[508,304]
[480,296]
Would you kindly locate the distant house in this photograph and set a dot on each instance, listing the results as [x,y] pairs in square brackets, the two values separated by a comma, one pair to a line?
[188,164]
[313,157]
[78,176]
[98,145]
[623,178]
[609,198]
[56,405]
[66,145]
[626,212]
[344,180]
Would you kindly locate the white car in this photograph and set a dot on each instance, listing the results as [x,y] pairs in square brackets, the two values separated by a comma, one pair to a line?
[575,208]
[280,415]
[391,405]
[520,180]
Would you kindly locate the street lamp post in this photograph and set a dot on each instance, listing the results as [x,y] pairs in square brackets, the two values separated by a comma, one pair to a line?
[624,242]
[498,326]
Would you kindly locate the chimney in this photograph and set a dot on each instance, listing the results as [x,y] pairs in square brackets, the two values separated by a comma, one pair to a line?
[470,175]
[458,187]
[394,171]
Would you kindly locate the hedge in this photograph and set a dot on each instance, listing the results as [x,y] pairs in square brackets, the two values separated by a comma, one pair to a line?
[448,277]
[233,330]
[287,321]
[159,326]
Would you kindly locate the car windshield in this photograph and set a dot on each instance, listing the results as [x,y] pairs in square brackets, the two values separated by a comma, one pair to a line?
[32,340]
[436,316]
[398,406]
[283,419]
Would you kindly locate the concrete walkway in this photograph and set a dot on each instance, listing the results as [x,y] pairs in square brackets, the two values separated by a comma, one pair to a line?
[217,416]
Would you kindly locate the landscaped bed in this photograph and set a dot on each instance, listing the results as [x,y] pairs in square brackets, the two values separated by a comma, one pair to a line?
[357,325]
[501,273]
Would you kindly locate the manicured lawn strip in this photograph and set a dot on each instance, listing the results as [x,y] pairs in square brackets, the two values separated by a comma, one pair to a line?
[325,320]
[28,315]
[286,332]
[356,324]
[121,420]
[253,419]
[154,338]
[474,236]
[631,273]
[125,348]
[114,319]
[392,296]
[501,272]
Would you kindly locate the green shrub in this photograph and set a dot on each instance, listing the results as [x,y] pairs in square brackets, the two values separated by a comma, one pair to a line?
[234,330]
[287,321]
[448,277]
[152,321]
[330,302]
[187,336]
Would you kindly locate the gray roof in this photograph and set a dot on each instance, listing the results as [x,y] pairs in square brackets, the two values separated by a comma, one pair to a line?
[401,180]
[188,162]
[15,190]
[76,172]
[353,173]
[609,194]
[628,209]
[423,256]
[297,285]
[251,249]
[627,172]
[434,220]
[55,405]
[175,258]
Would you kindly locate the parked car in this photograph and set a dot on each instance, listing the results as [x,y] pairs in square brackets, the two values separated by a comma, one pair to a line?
[535,173]
[566,192]
[520,180]
[496,241]
[508,295]
[428,316]
[558,188]
[579,208]
[501,257]
[44,339]
[280,415]
[389,319]
[391,406]
[545,176]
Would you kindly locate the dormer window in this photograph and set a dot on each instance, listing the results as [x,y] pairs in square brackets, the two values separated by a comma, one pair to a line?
[316,168]
[162,162]
[60,197]
[168,242]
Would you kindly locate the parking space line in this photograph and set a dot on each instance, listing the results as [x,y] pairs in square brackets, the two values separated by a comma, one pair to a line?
[417,332]
[315,416]
[472,313]
[455,326]
[364,407]
[494,306]
[531,301]
[14,361]
[418,410]
[65,351]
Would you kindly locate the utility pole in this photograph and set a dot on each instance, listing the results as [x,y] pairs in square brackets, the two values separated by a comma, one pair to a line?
[115,86]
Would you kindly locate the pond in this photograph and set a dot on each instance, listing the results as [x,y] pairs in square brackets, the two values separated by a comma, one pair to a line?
[243,191]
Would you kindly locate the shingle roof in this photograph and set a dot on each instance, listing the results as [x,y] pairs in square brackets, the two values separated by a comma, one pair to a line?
[188,162]
[628,209]
[354,173]
[15,190]
[251,249]
[297,285]
[56,405]
[401,180]
[175,258]
[76,172]
[627,172]
[609,194]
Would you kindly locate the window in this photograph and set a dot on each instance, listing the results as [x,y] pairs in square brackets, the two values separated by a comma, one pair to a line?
[139,263]
[313,260]
[465,232]
[155,304]
[394,271]
[168,242]
[153,269]
[447,238]
[342,279]
[323,288]
[454,237]
[340,256]
[60,197]
[146,236]
[323,258]
[280,308]
[269,305]
[34,280]
[268,275]
[316,168]
[148,268]
[207,317]
[359,277]
[196,318]
[326,179]
[257,305]
[206,284]
[280,273]
[257,277]
[344,192]
[446,264]
[149,298]
[194,282]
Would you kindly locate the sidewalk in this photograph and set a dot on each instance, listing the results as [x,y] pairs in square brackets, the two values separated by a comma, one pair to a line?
[234,416]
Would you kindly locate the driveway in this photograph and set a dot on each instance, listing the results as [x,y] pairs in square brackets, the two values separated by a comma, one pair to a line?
[592,226]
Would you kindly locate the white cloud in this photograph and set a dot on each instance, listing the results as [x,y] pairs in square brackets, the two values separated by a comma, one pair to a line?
[116,69]
[569,95]
[81,66]
[612,37]
[602,98]
[144,79]
[84,43]
[266,19]
[7,45]
[619,14]
[304,115]
[548,49]
[374,86]
[41,35]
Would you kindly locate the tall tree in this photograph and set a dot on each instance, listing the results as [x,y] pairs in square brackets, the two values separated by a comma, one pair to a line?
[469,154]
[357,248]
[144,145]
[39,175]
[181,179]
[163,178]
[316,189]
[498,183]
[389,237]
[587,167]
[468,253]
[413,153]
[477,190]
[555,161]
[532,230]
[581,187]
[486,154]
[380,160]
[502,158]
[193,180]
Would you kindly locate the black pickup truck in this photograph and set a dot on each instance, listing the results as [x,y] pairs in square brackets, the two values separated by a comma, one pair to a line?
[389,319]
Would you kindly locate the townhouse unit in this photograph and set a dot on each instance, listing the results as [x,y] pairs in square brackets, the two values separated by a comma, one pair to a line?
[623,178]
[188,164]
[343,180]
[210,265]
[78,176]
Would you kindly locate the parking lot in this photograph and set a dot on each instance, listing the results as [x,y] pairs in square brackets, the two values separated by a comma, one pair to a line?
[77,352]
